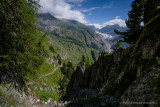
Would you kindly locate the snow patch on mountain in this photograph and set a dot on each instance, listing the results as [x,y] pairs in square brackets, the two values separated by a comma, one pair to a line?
[105,35]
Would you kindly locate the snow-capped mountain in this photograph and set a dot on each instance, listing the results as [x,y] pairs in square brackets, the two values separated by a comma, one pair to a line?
[108,33]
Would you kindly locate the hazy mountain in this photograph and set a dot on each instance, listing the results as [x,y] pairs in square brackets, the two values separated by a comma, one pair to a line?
[75,36]
[108,33]
[93,27]
[73,31]
[109,29]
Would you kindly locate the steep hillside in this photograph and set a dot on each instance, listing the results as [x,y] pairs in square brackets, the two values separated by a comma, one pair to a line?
[108,33]
[127,77]
[73,37]
[64,45]
[38,65]
[110,30]
[93,27]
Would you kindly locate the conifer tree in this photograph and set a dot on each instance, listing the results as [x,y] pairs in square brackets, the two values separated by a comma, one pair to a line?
[118,44]
[83,59]
[21,43]
[133,23]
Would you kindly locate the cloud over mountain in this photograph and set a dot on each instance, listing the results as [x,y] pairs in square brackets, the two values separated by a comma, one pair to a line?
[118,21]
[115,21]
[62,9]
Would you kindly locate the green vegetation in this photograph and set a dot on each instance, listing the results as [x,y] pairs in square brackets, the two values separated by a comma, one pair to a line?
[52,49]
[4,98]
[152,26]
[63,85]
[47,63]
[83,59]
[107,54]
[21,43]
[117,87]
[66,70]
[72,37]
[47,87]
[45,68]
[133,23]
[70,31]
[118,44]
[74,52]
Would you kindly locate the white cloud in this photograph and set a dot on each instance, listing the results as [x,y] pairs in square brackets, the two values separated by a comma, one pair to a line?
[75,0]
[93,8]
[120,22]
[61,9]
[105,6]
[108,6]
[89,14]
[117,17]
[96,25]
[87,10]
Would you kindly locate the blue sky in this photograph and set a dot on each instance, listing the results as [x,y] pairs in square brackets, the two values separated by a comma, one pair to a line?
[96,12]
[113,8]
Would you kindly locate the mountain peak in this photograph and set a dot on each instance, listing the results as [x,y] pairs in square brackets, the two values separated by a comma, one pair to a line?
[46,16]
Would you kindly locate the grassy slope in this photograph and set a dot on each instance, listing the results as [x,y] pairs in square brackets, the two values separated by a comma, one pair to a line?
[73,47]
[74,54]
[49,81]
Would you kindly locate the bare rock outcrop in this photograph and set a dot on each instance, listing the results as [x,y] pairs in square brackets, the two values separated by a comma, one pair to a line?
[76,81]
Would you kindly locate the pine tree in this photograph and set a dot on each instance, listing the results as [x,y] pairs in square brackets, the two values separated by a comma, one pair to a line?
[87,65]
[63,84]
[69,70]
[118,44]
[133,23]
[83,59]
[21,43]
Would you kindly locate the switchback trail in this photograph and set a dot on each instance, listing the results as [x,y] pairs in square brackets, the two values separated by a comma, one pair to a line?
[50,72]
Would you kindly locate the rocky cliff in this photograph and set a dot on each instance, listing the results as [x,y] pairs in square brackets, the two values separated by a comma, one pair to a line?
[76,81]
[126,77]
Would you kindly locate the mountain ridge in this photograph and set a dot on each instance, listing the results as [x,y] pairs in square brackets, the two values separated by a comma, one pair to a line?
[59,27]
[109,34]
[127,75]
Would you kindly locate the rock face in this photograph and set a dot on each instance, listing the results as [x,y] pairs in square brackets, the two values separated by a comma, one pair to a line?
[76,81]
[13,98]
[126,75]
[141,91]
[103,68]
[74,32]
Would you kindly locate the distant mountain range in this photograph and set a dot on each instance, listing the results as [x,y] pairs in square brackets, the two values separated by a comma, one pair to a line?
[108,32]
[76,38]
[93,27]
[71,30]
[74,32]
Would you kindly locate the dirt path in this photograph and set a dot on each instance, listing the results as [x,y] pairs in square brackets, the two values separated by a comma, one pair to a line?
[50,72]
[31,82]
